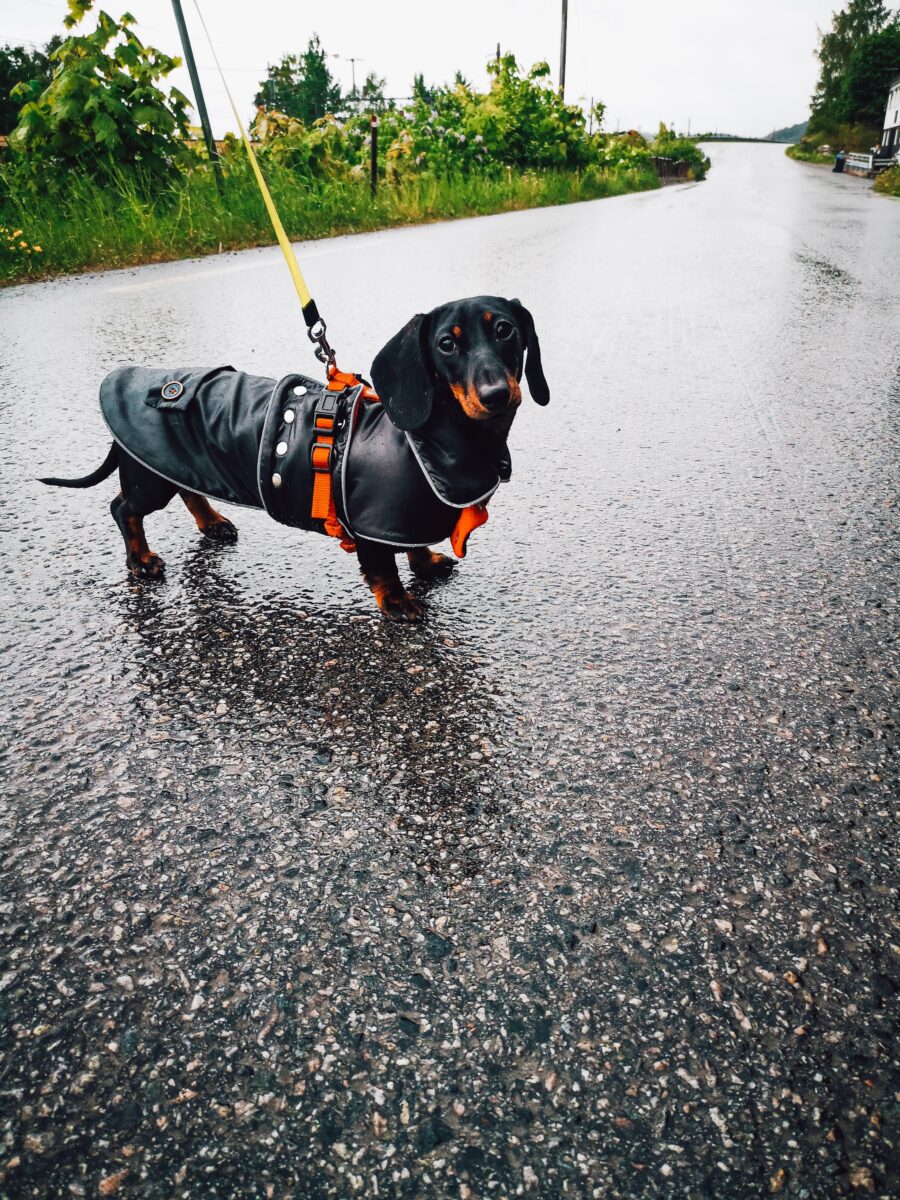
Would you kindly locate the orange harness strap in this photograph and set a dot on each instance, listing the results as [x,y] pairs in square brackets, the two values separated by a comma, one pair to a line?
[322,508]
[322,456]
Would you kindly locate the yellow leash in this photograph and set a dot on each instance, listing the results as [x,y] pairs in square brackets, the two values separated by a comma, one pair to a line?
[314,323]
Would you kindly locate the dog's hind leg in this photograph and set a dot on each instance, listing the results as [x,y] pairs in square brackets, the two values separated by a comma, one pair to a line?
[143,492]
[379,569]
[139,558]
[210,523]
[428,564]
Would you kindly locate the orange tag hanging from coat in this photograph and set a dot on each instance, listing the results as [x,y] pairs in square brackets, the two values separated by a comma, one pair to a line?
[469,519]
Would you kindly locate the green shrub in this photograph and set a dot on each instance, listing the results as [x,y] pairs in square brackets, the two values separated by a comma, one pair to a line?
[888,182]
[805,153]
[681,149]
[102,111]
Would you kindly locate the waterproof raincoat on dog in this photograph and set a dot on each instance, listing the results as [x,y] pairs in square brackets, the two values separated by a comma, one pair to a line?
[247,439]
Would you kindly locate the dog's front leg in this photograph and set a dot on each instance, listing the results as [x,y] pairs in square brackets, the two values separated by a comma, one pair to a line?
[428,564]
[379,569]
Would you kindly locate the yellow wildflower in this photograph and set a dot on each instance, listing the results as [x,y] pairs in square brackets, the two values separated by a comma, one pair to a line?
[24,245]
[37,249]
[17,233]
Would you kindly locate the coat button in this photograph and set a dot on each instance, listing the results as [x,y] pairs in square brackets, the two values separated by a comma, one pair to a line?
[288,416]
[276,480]
[172,390]
[281,448]
[299,390]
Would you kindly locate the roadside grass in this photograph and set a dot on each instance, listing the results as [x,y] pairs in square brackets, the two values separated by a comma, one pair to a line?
[802,153]
[83,225]
[888,182]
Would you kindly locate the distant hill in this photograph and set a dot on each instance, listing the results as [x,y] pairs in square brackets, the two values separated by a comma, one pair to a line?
[790,133]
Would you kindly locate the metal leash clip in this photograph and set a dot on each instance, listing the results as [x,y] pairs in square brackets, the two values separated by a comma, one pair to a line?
[322,351]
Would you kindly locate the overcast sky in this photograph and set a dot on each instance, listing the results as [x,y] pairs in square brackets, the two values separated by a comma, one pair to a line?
[741,66]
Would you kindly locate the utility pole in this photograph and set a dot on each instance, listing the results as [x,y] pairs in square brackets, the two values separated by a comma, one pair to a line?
[562,49]
[353,62]
[373,154]
[198,94]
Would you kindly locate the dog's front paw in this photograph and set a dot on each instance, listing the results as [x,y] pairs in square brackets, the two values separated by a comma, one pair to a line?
[149,566]
[399,605]
[428,564]
[220,531]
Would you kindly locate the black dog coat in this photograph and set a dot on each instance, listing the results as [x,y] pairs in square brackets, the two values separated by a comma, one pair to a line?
[248,440]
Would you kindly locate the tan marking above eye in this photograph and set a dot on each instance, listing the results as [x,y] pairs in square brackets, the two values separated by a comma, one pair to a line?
[456,331]
[488,316]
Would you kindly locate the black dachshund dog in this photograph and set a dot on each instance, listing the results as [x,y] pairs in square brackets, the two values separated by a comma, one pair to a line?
[390,470]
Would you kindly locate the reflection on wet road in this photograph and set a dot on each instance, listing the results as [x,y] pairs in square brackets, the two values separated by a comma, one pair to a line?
[583,888]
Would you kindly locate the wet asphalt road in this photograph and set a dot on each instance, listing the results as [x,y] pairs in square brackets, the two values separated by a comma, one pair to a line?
[586,887]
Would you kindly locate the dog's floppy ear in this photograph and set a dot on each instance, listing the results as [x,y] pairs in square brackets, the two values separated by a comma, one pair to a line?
[534,371]
[402,377]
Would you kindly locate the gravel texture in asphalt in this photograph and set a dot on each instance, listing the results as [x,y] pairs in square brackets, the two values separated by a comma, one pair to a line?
[584,888]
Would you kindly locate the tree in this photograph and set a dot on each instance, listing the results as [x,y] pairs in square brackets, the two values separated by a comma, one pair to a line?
[18,65]
[850,28]
[371,94]
[421,91]
[301,87]
[873,65]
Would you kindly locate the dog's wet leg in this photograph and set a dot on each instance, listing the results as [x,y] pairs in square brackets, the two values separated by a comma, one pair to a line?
[210,523]
[139,558]
[143,492]
[428,564]
[379,569]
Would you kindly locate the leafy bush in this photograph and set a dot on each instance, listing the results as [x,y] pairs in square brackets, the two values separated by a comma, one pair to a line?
[888,182]
[681,149]
[102,109]
[98,184]
[520,123]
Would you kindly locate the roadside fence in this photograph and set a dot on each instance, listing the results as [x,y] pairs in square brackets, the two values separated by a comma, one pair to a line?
[670,168]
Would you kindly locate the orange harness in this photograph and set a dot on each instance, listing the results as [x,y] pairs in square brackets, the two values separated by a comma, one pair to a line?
[323,508]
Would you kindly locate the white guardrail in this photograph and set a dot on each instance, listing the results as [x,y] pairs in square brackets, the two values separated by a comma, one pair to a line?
[871,163]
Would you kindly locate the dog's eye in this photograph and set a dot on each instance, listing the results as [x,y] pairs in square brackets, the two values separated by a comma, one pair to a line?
[446,343]
[504,330]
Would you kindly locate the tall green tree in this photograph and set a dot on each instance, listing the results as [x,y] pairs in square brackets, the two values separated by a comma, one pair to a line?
[873,66]
[850,29]
[19,65]
[420,90]
[301,86]
[371,94]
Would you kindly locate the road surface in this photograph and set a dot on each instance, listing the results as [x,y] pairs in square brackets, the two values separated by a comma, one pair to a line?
[586,887]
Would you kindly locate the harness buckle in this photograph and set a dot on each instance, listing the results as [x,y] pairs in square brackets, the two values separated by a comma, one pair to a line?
[320,457]
[324,427]
[326,408]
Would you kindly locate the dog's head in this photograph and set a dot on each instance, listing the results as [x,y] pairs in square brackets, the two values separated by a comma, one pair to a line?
[467,356]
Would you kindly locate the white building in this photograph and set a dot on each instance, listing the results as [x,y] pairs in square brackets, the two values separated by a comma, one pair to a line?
[890,138]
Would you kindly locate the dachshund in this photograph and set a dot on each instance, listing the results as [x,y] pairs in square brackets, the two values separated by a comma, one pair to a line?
[449,386]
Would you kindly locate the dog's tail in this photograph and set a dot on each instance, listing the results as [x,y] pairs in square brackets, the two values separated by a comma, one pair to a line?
[105,469]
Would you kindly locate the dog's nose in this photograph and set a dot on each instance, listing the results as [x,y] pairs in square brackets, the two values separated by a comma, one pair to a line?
[494,397]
